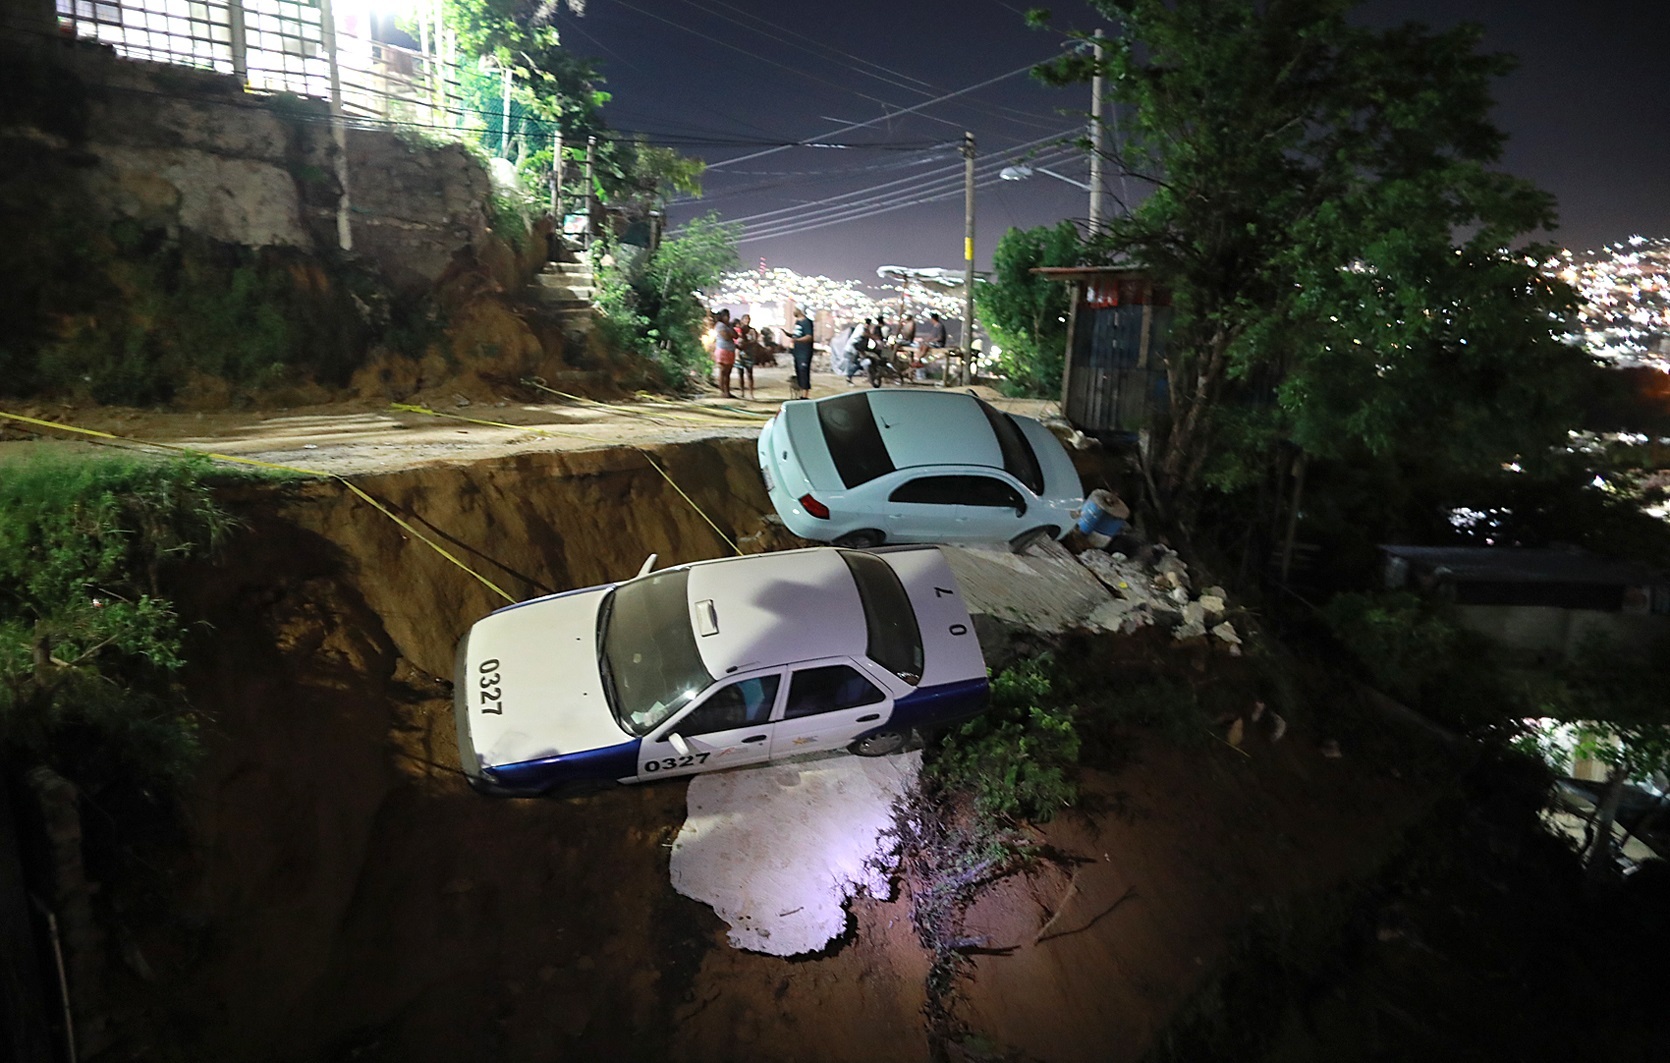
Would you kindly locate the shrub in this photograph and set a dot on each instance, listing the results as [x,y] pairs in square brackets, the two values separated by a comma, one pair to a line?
[651,304]
[1413,649]
[1018,758]
[89,646]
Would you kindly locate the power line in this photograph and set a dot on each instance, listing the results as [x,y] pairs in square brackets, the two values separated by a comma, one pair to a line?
[889,75]
[907,110]
[870,190]
[737,48]
[944,188]
[949,184]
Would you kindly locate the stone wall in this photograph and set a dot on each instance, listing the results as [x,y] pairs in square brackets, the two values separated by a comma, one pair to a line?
[181,150]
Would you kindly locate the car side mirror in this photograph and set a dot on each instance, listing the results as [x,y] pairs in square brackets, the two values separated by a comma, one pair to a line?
[649,564]
[680,746]
[1020,510]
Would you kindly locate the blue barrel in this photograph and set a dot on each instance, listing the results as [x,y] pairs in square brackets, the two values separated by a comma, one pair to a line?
[1095,517]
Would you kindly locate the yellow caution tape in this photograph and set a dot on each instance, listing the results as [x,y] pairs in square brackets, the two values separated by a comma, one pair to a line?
[706,416]
[406,408]
[437,547]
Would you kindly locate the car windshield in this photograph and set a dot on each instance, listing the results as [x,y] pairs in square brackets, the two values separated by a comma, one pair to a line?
[1018,459]
[647,651]
[849,429]
[893,639]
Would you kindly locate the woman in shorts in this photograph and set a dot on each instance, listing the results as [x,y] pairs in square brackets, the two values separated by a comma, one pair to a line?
[724,350]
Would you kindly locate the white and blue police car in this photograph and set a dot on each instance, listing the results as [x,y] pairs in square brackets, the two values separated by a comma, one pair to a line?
[713,665]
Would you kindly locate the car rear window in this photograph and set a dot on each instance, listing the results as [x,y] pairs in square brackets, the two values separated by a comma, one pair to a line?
[1018,458]
[647,651]
[849,427]
[892,638]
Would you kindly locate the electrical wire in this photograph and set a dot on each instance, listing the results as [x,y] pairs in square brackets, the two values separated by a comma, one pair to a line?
[950,178]
[822,49]
[907,110]
[942,190]
[954,168]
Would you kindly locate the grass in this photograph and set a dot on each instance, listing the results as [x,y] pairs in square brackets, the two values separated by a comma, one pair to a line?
[89,644]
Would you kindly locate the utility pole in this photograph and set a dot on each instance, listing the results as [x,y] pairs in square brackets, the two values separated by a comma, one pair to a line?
[968,258]
[339,128]
[504,141]
[591,190]
[556,178]
[1096,90]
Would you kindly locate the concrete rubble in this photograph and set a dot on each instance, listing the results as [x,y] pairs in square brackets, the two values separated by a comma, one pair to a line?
[777,851]
[1042,589]
[1156,593]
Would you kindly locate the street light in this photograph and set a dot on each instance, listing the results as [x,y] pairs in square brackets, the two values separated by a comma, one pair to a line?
[1022,173]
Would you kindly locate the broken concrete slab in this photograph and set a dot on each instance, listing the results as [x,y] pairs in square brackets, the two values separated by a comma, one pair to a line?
[1044,589]
[777,851]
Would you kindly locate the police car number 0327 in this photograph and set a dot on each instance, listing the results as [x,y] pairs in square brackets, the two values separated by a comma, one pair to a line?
[488,687]
[670,763]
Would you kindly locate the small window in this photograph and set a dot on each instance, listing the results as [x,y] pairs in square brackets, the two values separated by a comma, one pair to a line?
[893,639]
[854,440]
[816,690]
[992,492]
[746,703]
[930,491]
[1018,459]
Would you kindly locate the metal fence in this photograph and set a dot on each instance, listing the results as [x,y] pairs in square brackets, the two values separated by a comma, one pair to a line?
[279,46]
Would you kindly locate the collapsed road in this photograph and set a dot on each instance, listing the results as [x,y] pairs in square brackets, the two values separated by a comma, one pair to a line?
[344,894]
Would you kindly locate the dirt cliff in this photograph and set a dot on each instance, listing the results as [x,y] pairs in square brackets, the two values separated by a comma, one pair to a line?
[346,896]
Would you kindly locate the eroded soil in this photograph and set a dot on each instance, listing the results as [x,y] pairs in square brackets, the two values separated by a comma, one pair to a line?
[345,896]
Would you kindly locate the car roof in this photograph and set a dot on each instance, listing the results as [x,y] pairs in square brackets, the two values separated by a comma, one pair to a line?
[778,608]
[922,427]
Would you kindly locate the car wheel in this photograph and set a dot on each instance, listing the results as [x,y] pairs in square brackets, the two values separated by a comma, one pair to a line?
[862,539]
[1026,539]
[879,744]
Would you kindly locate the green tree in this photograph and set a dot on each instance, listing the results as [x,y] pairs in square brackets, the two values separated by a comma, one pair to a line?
[552,87]
[652,301]
[1025,313]
[1614,699]
[555,89]
[1341,253]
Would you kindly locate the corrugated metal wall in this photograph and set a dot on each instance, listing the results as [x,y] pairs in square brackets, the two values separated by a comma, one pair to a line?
[1112,382]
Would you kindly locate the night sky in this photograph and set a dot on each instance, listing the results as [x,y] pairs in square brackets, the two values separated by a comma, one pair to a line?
[726,80]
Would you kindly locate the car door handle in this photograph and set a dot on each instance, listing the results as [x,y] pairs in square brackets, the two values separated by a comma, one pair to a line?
[870,718]
[755,738]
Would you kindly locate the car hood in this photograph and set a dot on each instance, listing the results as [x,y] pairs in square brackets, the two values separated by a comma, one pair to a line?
[544,653]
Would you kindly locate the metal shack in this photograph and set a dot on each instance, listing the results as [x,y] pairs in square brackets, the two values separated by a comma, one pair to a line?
[1545,600]
[1116,333]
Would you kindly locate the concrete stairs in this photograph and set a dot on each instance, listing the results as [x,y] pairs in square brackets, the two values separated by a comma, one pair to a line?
[567,290]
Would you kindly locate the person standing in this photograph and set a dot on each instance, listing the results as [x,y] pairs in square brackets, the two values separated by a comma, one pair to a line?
[747,348]
[802,355]
[724,350]
[863,348]
[932,336]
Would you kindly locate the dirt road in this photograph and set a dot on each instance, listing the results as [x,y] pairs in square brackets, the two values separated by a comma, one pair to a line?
[360,437]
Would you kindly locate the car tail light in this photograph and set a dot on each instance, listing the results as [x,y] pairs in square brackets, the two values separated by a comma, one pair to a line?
[814,507]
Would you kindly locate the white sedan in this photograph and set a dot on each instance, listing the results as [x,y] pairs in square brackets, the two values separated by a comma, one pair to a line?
[916,466]
[713,665]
